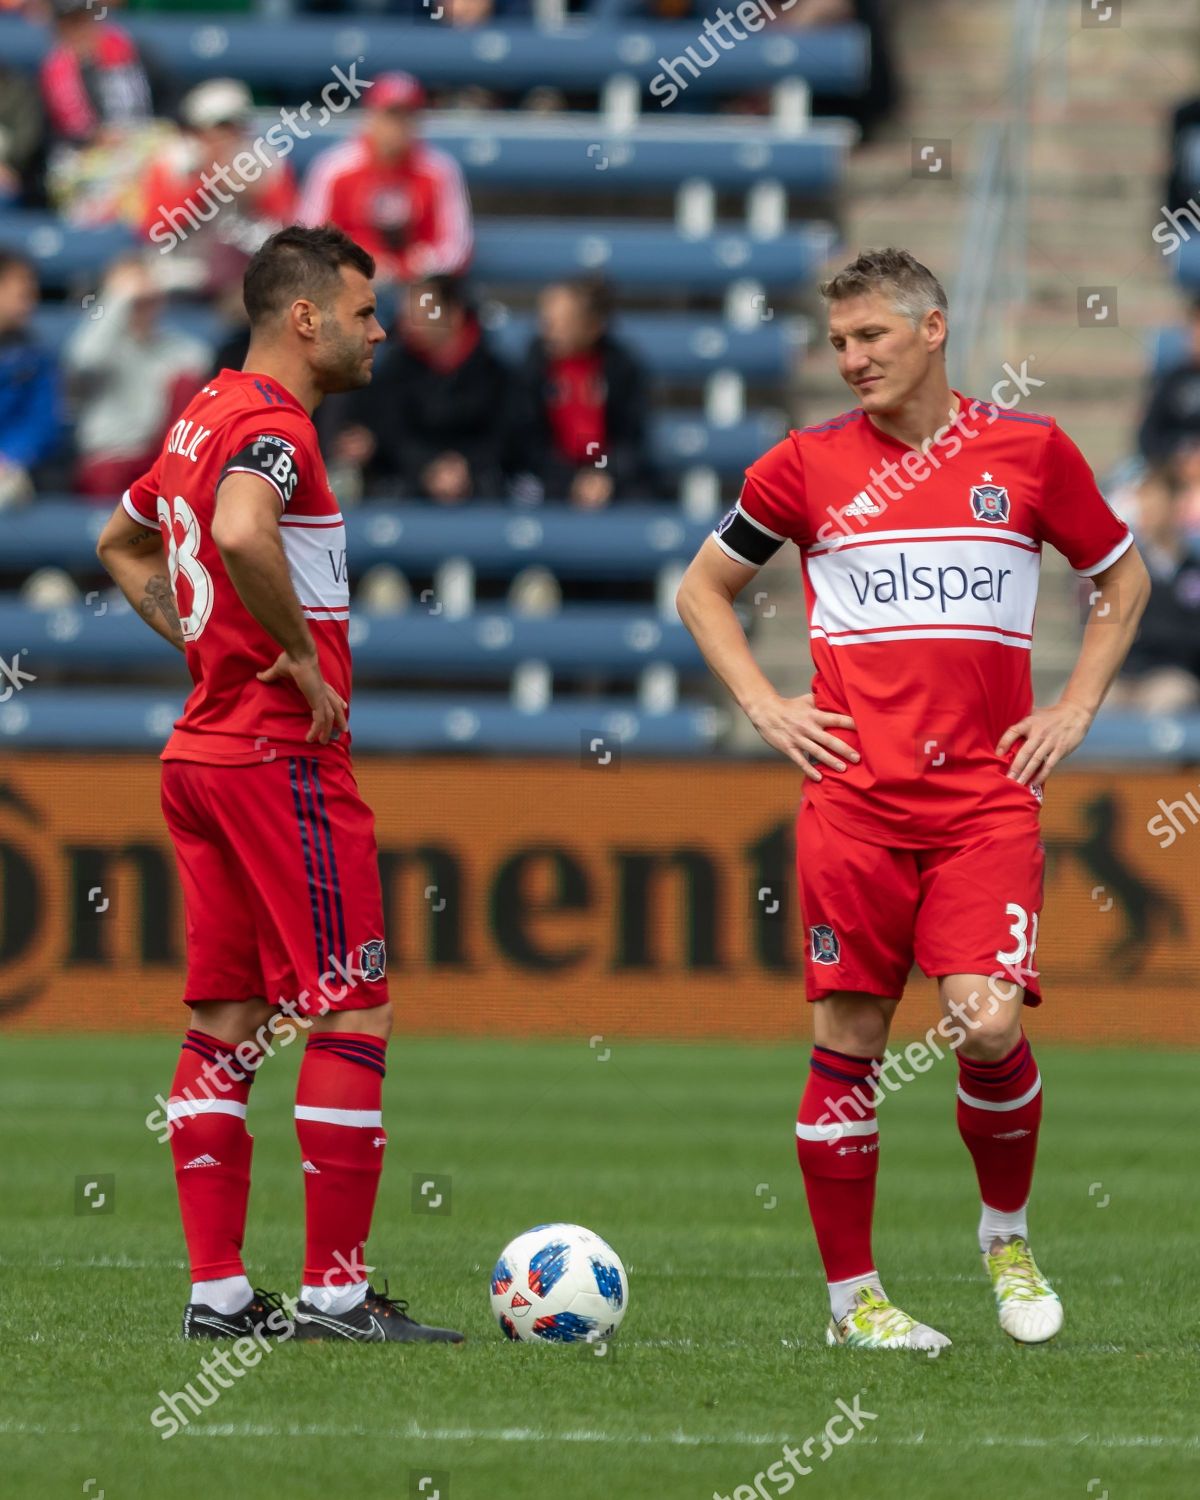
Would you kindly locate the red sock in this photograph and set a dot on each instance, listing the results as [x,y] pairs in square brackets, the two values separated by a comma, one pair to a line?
[211,1147]
[841,1160]
[999,1111]
[340,1127]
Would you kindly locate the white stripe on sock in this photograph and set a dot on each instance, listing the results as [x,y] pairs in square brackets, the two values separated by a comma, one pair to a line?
[835,1130]
[1000,1106]
[180,1109]
[365,1119]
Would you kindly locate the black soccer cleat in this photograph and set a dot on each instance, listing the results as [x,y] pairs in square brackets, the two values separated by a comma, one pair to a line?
[378,1319]
[264,1314]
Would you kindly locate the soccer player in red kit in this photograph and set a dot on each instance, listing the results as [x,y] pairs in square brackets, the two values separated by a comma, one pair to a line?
[275,847]
[919,517]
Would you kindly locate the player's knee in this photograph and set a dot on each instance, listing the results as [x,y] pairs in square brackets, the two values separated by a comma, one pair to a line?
[375,1021]
[231,1021]
[855,1024]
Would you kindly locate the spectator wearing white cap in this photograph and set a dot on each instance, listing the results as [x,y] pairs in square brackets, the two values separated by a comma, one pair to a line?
[217,232]
[130,376]
[401,199]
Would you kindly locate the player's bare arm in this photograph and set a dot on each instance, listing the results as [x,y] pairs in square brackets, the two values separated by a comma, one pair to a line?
[1119,596]
[133,555]
[246,532]
[793,726]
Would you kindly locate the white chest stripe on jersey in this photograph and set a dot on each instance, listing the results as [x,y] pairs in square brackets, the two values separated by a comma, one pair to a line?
[925,587]
[315,548]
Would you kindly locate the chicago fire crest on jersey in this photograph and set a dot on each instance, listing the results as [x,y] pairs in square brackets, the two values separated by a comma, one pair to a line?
[989,502]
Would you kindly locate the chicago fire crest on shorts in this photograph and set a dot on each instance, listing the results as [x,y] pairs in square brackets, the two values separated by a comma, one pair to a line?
[825,946]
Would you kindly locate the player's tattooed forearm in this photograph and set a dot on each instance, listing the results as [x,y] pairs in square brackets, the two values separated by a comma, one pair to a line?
[158,596]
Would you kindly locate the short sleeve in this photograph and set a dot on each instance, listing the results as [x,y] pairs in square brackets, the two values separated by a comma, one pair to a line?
[771,509]
[1073,516]
[140,500]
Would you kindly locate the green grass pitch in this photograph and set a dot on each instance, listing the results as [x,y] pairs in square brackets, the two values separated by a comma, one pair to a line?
[683,1157]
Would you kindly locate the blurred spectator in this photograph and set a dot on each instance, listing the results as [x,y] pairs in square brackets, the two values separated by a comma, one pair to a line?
[433,415]
[578,427]
[1162,671]
[22,139]
[1172,416]
[31,408]
[131,378]
[93,78]
[404,201]
[99,102]
[217,233]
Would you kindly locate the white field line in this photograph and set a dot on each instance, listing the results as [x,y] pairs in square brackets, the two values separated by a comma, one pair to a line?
[415,1432]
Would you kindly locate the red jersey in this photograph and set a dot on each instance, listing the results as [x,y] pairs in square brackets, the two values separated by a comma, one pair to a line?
[412,215]
[242,423]
[921,572]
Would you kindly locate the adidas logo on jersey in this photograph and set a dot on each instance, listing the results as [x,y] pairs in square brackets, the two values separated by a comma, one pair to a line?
[202,1161]
[862,505]
[308,1167]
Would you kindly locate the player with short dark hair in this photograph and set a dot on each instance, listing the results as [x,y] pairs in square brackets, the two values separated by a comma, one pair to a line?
[920,517]
[276,849]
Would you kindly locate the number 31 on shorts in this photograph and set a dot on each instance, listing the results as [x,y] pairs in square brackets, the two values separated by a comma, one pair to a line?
[1023,930]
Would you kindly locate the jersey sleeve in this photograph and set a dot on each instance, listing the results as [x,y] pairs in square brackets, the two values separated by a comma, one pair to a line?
[1073,516]
[140,500]
[772,508]
[272,448]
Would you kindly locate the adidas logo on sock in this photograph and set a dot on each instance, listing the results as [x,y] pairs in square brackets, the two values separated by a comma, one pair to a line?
[861,505]
[202,1161]
[308,1167]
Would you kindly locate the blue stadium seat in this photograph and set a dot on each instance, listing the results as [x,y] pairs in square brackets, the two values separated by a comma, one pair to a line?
[513,252]
[298,57]
[646,256]
[383,723]
[632,541]
[580,154]
[618,640]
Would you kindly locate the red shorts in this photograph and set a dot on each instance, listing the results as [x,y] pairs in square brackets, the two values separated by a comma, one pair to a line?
[280,883]
[870,910]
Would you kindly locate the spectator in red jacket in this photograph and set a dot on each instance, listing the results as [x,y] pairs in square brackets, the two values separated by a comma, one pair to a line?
[93,78]
[401,199]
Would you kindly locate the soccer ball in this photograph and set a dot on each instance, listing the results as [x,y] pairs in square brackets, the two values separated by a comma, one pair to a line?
[559,1284]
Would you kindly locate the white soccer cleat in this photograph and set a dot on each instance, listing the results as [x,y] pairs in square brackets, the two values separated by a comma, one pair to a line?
[1029,1309]
[875,1323]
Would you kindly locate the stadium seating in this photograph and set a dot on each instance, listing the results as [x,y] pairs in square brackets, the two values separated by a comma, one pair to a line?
[582,153]
[476,675]
[383,723]
[582,56]
[510,252]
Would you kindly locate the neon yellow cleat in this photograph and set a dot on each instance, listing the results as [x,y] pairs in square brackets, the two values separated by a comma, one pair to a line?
[876,1323]
[1029,1309]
